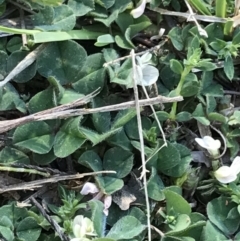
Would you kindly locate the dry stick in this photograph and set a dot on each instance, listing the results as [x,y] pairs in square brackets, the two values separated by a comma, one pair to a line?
[24,36]
[140,131]
[39,183]
[201,31]
[204,18]
[28,60]
[62,113]
[55,225]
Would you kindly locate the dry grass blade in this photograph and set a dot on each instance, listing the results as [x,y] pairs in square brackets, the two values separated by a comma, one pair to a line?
[27,61]
[39,183]
[68,110]
[140,132]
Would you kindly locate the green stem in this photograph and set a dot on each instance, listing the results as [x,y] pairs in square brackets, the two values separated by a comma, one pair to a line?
[178,91]
[19,169]
[221,6]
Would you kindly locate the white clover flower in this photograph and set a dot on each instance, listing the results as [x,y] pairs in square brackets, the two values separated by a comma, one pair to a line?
[137,12]
[91,188]
[82,227]
[210,144]
[227,174]
[147,74]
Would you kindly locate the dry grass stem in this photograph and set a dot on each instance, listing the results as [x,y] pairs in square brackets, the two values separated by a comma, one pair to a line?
[140,131]
[68,110]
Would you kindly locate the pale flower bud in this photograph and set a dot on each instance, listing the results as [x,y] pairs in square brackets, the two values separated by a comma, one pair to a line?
[227,174]
[137,12]
[210,144]
[82,226]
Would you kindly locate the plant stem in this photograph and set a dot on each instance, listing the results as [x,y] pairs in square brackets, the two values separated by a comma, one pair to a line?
[178,91]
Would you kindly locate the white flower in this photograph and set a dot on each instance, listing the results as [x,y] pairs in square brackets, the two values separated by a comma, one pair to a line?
[210,144]
[137,12]
[91,188]
[227,174]
[82,226]
[147,74]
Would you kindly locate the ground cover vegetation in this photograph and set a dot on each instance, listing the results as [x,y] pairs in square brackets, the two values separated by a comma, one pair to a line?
[119,120]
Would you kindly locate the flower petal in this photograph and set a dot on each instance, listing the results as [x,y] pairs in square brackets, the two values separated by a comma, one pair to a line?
[137,12]
[150,75]
[210,144]
[89,187]
[225,174]
[235,166]
[107,203]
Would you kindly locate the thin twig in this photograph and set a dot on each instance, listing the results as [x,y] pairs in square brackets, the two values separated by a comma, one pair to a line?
[39,183]
[24,36]
[158,231]
[27,61]
[155,48]
[201,31]
[25,170]
[63,111]
[231,92]
[54,224]
[204,18]
[140,131]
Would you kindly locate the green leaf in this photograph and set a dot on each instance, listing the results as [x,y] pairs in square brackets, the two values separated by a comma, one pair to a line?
[123,117]
[92,76]
[14,44]
[3,64]
[101,121]
[209,87]
[162,115]
[6,228]
[98,217]
[105,3]
[210,231]
[44,159]
[109,185]
[69,138]
[229,67]
[35,136]
[12,155]
[91,160]
[214,116]
[81,7]
[168,157]
[59,18]
[176,66]
[131,127]
[155,186]
[218,214]
[28,229]
[10,99]
[118,160]
[176,203]
[183,165]
[120,139]
[126,228]
[43,100]
[175,34]
[104,40]
[27,73]
[190,86]
[199,115]
[94,137]
[183,116]
[64,63]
